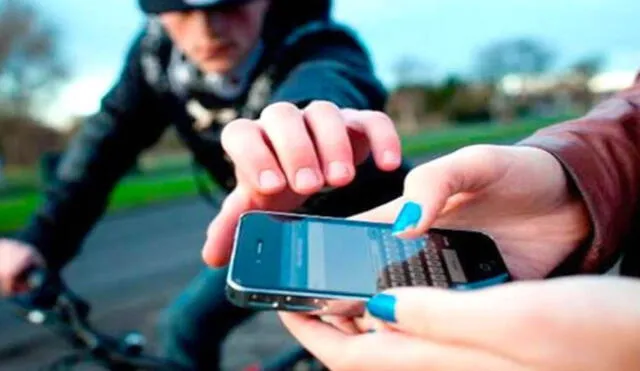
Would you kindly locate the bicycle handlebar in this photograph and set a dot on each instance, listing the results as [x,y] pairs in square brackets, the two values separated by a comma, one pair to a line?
[49,302]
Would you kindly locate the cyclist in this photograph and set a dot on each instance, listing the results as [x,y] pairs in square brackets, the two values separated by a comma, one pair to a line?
[283,73]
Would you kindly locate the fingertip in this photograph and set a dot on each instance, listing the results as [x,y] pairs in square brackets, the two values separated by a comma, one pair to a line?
[390,160]
[408,219]
[383,307]
[271,182]
[308,181]
[216,258]
[339,174]
[211,255]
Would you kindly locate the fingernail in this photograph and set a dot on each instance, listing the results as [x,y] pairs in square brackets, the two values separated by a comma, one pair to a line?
[408,218]
[269,179]
[306,178]
[338,170]
[391,158]
[383,306]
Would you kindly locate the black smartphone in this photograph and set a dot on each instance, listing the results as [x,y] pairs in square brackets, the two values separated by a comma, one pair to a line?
[332,266]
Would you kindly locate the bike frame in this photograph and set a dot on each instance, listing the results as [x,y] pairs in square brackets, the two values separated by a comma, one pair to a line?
[50,303]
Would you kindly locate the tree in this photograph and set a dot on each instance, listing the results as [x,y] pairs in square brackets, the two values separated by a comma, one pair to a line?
[527,58]
[411,71]
[523,56]
[30,64]
[582,72]
[589,66]
[407,102]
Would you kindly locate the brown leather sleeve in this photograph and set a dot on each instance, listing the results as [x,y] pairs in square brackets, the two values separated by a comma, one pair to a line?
[601,153]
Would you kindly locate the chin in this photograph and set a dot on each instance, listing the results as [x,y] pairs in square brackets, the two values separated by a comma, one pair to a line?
[217,66]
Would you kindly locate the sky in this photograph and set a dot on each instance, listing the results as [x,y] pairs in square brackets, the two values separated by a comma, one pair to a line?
[444,34]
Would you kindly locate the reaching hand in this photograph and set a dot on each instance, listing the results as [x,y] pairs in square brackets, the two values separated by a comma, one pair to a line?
[289,154]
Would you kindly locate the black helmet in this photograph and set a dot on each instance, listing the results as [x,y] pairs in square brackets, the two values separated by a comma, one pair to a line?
[160,6]
[283,16]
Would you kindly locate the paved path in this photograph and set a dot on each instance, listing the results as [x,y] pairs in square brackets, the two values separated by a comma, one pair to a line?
[133,264]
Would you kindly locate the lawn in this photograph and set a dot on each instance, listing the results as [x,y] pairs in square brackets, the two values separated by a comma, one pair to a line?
[159,184]
[133,192]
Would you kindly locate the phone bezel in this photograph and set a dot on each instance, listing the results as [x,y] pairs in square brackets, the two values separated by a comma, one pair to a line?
[318,294]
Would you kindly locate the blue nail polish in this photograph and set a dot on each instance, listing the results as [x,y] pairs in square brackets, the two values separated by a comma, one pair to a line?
[408,218]
[383,306]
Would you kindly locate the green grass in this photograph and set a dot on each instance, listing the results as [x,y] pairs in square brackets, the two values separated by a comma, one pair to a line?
[134,192]
[452,139]
[163,180]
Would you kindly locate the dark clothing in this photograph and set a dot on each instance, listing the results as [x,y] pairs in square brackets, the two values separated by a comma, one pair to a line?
[601,153]
[161,6]
[318,60]
[193,328]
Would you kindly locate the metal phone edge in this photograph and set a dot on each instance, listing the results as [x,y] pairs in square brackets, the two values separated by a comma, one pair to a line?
[311,303]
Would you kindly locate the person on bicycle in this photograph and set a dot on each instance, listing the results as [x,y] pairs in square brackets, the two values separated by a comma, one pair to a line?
[231,77]
[562,204]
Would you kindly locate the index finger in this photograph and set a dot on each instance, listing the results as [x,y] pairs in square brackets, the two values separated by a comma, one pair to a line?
[382,135]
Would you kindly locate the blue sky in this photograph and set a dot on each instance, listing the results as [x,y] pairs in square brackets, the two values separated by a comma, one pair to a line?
[443,33]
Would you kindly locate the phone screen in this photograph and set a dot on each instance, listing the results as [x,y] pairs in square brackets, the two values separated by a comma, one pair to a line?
[337,256]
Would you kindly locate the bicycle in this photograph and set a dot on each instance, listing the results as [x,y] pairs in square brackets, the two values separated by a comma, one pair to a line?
[50,303]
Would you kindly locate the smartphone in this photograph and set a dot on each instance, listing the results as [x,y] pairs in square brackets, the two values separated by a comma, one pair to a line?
[326,265]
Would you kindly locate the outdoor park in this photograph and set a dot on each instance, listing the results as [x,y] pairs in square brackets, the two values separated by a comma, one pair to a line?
[148,247]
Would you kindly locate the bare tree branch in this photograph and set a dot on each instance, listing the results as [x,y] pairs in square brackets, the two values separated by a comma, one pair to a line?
[29,58]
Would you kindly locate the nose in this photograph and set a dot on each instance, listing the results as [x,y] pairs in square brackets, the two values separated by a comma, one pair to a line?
[213,23]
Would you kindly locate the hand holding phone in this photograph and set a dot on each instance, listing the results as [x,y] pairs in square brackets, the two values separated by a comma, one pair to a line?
[327,265]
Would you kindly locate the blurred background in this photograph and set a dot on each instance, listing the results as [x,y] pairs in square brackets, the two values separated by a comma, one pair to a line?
[459,72]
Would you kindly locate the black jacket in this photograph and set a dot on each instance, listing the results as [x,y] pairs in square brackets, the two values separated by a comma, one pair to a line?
[308,59]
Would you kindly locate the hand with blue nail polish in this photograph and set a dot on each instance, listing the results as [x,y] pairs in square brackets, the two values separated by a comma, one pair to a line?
[520,196]
[581,323]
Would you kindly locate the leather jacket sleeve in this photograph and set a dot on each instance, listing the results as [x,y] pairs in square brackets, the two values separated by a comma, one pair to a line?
[106,148]
[601,153]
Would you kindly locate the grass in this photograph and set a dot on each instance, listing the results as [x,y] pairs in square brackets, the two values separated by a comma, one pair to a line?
[163,180]
[452,139]
[133,192]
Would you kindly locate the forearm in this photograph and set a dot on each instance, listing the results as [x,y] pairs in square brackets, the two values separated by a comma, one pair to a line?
[91,167]
[601,153]
[106,148]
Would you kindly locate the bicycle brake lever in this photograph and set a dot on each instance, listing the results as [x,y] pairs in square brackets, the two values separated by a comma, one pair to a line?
[43,289]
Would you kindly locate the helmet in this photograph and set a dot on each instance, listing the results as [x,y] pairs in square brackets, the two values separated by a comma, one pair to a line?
[160,6]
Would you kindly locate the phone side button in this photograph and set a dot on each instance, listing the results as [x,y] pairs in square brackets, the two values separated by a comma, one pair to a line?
[481,284]
[298,307]
[262,306]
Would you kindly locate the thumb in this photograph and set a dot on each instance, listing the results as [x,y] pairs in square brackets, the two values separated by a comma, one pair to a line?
[221,232]
[429,188]
[490,315]
[424,311]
